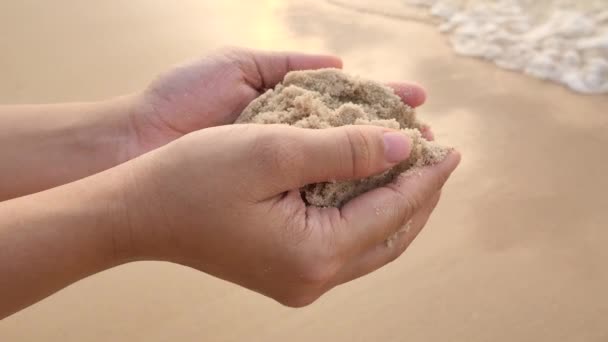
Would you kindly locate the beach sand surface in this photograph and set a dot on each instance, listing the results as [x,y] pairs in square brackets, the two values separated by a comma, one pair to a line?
[516,250]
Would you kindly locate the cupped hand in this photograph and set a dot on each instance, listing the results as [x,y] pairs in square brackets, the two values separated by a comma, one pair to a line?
[231,206]
[213,91]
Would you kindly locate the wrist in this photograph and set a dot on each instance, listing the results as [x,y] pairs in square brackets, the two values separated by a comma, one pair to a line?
[125,198]
[133,130]
[120,115]
[138,227]
[100,203]
[146,130]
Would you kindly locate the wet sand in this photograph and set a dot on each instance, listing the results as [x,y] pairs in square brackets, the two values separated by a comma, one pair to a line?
[515,252]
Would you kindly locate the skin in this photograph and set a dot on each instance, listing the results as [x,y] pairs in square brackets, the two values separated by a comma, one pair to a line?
[160,175]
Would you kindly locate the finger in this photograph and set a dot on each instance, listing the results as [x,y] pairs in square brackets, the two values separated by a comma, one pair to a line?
[386,252]
[411,94]
[427,133]
[372,217]
[294,157]
[272,66]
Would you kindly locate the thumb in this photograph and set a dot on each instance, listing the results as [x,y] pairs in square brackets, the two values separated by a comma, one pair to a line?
[342,153]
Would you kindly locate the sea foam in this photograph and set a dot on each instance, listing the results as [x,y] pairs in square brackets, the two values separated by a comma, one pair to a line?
[564,41]
[558,40]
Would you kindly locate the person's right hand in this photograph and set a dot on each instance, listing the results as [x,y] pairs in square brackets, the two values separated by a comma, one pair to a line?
[225,200]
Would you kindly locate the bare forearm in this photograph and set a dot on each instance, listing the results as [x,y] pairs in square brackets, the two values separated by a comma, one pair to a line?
[54,238]
[43,146]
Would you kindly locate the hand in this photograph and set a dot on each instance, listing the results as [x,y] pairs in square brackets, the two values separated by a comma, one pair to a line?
[225,200]
[214,90]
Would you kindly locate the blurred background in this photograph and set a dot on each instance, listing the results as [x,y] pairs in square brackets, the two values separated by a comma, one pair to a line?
[516,249]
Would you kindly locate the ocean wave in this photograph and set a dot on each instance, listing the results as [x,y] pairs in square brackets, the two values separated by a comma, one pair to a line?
[564,41]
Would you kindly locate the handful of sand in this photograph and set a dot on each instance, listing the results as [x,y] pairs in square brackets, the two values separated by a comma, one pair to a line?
[330,98]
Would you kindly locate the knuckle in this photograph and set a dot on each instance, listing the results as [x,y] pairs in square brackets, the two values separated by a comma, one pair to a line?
[405,204]
[399,211]
[411,205]
[360,151]
[236,59]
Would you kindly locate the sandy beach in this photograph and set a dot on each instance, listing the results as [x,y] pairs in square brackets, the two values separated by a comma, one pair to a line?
[516,248]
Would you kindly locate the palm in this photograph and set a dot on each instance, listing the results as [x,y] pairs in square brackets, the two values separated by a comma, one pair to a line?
[214,90]
[209,92]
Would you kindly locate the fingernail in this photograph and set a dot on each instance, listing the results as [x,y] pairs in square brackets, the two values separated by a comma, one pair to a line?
[397,147]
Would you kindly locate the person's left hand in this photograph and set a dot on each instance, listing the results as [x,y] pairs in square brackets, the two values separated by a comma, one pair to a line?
[214,90]
[226,201]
